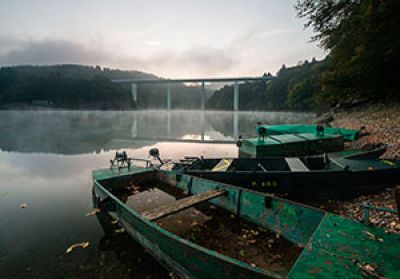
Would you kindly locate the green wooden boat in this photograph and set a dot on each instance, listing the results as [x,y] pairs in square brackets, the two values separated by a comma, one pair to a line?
[317,177]
[270,130]
[295,140]
[290,145]
[325,245]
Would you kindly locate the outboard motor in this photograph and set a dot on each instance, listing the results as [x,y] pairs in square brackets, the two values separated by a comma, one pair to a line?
[239,142]
[120,160]
[155,153]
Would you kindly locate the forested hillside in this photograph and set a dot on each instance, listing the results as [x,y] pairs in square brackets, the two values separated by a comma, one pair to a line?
[293,88]
[85,87]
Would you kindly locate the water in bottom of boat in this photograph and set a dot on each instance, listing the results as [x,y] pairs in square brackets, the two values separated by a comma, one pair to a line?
[213,228]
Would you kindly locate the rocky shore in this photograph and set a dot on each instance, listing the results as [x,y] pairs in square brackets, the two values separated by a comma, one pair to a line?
[382,123]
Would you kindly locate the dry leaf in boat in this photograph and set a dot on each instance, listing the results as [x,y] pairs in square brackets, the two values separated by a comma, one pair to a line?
[194,223]
[93,212]
[121,230]
[372,236]
[23,205]
[76,245]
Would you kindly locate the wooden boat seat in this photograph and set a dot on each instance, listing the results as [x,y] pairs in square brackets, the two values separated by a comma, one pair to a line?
[181,204]
[295,164]
[222,165]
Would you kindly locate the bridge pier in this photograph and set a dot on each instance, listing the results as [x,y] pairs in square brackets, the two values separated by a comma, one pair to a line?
[168,96]
[134,92]
[236,96]
[203,96]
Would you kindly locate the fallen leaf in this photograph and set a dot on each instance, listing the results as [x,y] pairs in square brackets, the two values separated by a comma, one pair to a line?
[121,230]
[114,221]
[93,212]
[76,245]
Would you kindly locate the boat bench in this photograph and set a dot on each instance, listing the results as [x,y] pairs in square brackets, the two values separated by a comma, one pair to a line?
[222,165]
[181,204]
[295,164]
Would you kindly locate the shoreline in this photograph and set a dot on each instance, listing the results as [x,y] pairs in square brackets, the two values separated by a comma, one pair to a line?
[382,122]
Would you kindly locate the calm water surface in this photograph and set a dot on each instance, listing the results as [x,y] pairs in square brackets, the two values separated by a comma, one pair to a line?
[46,159]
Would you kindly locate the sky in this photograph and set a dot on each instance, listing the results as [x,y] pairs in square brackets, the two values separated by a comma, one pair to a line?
[169,38]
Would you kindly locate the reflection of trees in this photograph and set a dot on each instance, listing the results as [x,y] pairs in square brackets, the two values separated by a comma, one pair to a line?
[62,132]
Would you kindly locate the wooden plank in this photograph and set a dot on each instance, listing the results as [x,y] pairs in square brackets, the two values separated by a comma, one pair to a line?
[181,204]
[223,165]
[295,164]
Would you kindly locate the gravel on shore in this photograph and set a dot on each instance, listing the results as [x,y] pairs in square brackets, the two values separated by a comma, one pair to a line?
[382,122]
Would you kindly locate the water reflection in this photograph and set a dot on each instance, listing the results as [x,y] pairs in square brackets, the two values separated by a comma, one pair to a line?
[71,132]
[46,160]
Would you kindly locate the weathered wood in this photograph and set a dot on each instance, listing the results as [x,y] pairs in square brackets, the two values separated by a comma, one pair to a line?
[181,204]
[223,165]
[295,164]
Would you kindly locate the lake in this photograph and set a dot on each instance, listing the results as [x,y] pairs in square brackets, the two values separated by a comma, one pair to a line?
[46,159]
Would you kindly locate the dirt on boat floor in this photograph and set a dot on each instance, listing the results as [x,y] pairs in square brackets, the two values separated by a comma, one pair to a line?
[231,236]
[214,228]
[382,122]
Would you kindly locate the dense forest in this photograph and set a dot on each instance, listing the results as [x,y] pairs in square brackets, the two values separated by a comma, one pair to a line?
[85,87]
[293,88]
[360,37]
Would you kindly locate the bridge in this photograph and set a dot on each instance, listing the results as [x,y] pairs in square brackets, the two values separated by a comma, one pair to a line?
[202,81]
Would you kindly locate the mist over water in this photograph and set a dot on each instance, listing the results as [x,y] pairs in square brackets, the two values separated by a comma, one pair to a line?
[46,159]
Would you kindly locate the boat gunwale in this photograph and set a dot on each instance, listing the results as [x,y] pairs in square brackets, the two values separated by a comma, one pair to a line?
[209,252]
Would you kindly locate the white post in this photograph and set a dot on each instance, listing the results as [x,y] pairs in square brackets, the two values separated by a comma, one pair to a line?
[168,96]
[134,92]
[169,125]
[236,96]
[203,96]
[202,124]
[235,124]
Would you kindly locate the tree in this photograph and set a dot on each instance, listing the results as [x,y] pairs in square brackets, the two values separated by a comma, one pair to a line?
[362,37]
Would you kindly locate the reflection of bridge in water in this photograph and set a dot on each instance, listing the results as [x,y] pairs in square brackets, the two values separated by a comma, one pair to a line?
[203,126]
[201,84]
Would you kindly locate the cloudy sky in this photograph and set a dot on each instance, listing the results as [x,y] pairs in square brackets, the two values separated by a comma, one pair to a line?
[170,38]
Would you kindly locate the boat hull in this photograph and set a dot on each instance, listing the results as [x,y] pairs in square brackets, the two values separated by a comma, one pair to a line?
[315,185]
[290,145]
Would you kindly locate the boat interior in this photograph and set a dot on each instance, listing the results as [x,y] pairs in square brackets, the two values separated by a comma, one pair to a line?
[188,215]
[294,164]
